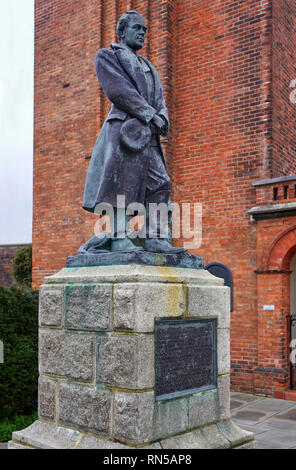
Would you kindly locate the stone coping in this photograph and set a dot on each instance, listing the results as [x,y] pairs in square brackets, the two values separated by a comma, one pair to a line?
[133,273]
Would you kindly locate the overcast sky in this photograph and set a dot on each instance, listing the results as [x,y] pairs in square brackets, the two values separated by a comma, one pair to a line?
[16,120]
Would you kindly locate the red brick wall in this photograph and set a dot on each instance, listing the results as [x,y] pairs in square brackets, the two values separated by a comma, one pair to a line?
[67,35]
[284,71]
[223,143]
[216,60]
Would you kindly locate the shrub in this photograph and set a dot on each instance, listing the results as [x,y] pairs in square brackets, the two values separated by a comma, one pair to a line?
[8,426]
[22,266]
[19,335]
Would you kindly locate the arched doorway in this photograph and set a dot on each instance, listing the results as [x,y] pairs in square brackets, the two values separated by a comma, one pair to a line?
[276,289]
[293,322]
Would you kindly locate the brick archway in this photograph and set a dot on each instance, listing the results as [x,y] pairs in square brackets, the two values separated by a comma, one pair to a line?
[273,307]
[281,251]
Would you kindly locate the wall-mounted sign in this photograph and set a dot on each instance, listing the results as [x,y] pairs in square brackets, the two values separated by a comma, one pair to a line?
[185,357]
[268,307]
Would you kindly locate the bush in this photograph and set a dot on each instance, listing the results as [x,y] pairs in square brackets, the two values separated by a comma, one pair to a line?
[8,426]
[22,266]
[19,335]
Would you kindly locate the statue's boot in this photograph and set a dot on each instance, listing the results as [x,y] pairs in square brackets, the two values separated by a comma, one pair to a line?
[157,240]
[162,245]
[97,244]
[124,244]
[121,241]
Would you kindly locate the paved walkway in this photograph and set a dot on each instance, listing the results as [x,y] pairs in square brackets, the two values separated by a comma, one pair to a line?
[273,421]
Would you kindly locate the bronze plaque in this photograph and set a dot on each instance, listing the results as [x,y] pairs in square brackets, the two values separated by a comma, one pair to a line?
[185,357]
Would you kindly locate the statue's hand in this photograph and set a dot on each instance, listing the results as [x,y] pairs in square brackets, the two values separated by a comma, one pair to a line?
[158,123]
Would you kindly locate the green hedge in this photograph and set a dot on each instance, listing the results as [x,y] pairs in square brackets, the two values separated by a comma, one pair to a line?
[8,426]
[22,266]
[19,335]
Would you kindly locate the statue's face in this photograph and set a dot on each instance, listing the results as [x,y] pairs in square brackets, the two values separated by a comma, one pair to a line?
[134,33]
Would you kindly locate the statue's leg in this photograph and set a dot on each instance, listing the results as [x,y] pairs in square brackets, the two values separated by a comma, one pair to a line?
[158,234]
[157,222]
[121,241]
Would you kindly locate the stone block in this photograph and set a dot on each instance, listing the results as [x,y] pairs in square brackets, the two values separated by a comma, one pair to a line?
[192,440]
[47,436]
[92,442]
[84,407]
[170,417]
[208,437]
[224,397]
[51,306]
[126,361]
[223,346]
[47,399]
[89,307]
[133,417]
[203,408]
[132,273]
[137,305]
[153,446]
[234,434]
[66,355]
[210,302]
[248,445]
[214,437]
[14,445]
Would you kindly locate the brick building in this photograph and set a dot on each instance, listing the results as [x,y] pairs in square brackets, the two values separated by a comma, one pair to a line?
[227,67]
[7,253]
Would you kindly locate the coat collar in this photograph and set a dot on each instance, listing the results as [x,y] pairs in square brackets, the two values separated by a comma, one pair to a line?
[130,63]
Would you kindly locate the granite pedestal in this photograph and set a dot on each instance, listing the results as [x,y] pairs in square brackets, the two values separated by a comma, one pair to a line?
[98,356]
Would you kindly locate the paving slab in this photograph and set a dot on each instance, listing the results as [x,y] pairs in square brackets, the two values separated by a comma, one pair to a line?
[272,405]
[290,414]
[250,416]
[262,445]
[236,404]
[276,423]
[281,438]
[246,397]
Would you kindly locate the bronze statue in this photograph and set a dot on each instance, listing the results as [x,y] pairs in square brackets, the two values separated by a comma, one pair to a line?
[127,158]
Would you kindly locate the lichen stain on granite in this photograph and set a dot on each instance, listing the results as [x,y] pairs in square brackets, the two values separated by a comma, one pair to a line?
[168,273]
[175,301]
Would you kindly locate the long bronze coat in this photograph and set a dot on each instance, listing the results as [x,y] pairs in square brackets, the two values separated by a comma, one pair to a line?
[114,170]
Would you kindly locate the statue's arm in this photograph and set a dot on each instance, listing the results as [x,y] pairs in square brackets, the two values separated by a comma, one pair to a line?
[161,110]
[163,113]
[120,91]
[165,129]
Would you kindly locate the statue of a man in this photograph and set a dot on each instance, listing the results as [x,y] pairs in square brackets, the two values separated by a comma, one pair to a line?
[128,159]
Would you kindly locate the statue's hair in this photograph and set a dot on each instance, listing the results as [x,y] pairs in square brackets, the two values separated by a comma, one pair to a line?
[123,22]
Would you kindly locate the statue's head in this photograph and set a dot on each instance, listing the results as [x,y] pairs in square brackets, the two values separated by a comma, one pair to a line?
[131,30]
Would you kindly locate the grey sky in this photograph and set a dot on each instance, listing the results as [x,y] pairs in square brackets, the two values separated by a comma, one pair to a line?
[16,120]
